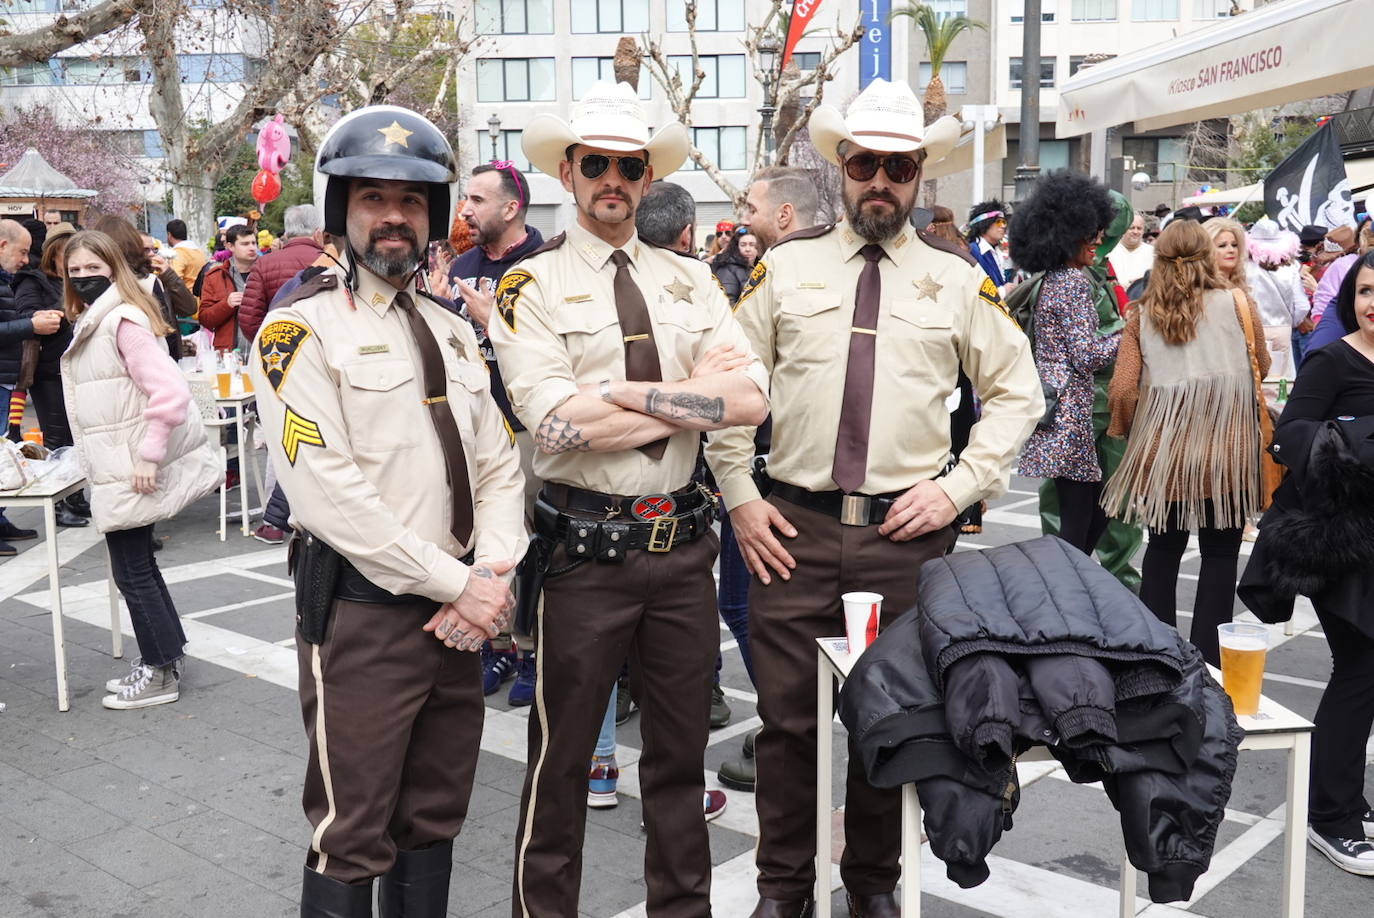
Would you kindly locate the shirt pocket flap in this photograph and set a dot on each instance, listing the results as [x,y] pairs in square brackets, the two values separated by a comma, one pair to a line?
[809,304]
[689,317]
[583,320]
[378,375]
[923,315]
[471,378]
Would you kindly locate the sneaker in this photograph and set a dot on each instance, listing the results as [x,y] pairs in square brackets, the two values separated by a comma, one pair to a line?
[522,689]
[720,711]
[624,703]
[497,667]
[713,804]
[7,550]
[12,533]
[1353,855]
[1368,820]
[155,685]
[269,534]
[133,675]
[231,480]
[601,780]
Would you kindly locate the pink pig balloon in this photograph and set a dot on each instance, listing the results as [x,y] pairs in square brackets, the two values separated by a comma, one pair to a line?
[274,147]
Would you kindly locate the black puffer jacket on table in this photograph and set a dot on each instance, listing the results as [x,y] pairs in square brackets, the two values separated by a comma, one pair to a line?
[1035,644]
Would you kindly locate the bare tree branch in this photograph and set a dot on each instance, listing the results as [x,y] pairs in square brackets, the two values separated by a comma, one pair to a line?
[41,44]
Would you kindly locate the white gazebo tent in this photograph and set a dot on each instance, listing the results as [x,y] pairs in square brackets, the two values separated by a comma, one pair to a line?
[33,185]
[1283,52]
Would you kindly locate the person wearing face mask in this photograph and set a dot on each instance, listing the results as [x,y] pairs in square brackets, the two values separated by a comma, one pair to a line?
[143,450]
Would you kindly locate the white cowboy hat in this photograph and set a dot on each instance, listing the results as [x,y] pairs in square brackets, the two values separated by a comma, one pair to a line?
[886,118]
[608,117]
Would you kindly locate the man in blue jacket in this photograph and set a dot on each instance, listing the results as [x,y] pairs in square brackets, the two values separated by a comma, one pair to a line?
[498,197]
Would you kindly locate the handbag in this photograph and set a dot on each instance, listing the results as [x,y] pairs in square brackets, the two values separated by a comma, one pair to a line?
[1271,472]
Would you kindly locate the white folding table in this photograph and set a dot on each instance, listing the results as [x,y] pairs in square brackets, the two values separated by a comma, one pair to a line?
[37,494]
[205,395]
[1274,727]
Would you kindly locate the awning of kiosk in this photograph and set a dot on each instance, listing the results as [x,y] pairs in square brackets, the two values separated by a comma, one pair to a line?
[1283,52]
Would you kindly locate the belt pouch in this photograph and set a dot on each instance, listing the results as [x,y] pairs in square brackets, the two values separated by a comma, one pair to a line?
[316,572]
[610,546]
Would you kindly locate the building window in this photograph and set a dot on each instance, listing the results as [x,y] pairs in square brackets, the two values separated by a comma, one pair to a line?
[1093,11]
[954,74]
[84,71]
[631,16]
[507,148]
[712,16]
[514,17]
[807,60]
[587,70]
[724,146]
[1046,72]
[515,79]
[1154,10]
[943,9]
[1163,158]
[41,73]
[724,74]
[1211,9]
[214,68]
[1076,62]
[1018,11]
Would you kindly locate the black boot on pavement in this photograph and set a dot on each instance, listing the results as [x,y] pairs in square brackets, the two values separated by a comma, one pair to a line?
[880,905]
[417,885]
[79,504]
[66,516]
[326,897]
[740,774]
[783,908]
[12,533]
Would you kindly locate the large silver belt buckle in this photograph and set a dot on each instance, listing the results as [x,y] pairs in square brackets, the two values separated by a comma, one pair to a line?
[854,510]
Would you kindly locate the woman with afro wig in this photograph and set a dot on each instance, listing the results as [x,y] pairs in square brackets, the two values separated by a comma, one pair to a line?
[1057,230]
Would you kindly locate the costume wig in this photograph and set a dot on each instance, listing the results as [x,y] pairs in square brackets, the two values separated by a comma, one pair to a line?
[1065,209]
[982,216]
[1270,245]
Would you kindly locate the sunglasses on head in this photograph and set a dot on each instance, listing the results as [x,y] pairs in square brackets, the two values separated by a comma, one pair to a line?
[594,165]
[863,166]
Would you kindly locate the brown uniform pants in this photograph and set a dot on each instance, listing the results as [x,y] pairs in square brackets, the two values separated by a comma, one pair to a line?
[395,724]
[785,618]
[659,610]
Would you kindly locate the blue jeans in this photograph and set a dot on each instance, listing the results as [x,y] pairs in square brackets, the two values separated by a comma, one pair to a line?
[156,625]
[605,740]
[733,595]
[1299,347]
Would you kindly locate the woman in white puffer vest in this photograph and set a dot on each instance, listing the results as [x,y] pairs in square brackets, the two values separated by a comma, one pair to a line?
[144,452]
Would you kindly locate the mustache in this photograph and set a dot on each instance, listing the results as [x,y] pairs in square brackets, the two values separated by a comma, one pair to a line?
[399,231]
[620,195]
[878,195]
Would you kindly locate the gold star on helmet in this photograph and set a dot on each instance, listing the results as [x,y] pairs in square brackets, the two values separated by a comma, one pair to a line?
[395,134]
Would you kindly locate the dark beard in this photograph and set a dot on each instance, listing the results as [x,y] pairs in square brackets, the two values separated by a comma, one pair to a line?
[876,228]
[485,235]
[391,265]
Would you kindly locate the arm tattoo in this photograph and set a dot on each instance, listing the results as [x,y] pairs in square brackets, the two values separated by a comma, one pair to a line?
[481,570]
[558,435]
[684,405]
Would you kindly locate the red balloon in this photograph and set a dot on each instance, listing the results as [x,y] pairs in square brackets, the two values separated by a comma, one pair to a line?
[266,187]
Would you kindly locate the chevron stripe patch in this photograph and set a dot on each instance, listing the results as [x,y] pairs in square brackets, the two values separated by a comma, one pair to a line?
[297,430]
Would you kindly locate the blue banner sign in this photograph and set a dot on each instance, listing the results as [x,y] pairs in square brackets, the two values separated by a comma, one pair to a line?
[875,51]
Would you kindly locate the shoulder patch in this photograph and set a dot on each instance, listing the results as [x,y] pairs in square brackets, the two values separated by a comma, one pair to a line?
[756,277]
[311,284]
[811,232]
[296,431]
[277,345]
[987,292]
[944,245]
[508,294]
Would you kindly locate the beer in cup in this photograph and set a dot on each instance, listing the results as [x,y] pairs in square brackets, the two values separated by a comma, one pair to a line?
[1242,663]
[861,614]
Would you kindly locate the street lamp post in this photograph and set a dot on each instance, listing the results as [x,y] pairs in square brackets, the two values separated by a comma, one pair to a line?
[1028,133]
[143,193]
[768,51]
[494,132]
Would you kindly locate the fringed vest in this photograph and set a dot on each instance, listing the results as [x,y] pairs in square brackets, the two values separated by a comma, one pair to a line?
[1196,434]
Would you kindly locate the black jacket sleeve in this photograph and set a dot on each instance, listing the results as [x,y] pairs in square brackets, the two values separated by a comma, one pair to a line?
[16,330]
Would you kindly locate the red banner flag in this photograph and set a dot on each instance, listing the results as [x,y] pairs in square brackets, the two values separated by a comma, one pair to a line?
[802,11]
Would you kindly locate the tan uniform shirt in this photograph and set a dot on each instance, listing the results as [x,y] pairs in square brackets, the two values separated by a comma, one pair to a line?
[937,312]
[339,385]
[555,327]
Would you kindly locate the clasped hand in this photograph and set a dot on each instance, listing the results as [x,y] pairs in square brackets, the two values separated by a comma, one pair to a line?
[479,613]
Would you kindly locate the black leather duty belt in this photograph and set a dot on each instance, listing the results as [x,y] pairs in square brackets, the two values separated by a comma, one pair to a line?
[849,509]
[354,587]
[604,527]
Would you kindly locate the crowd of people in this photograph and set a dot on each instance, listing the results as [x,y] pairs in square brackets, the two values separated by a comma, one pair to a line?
[520,448]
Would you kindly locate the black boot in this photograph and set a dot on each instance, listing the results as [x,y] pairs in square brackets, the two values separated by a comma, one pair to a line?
[79,504]
[326,897]
[417,885]
[66,516]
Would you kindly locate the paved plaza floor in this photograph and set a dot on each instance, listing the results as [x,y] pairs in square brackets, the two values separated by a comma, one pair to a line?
[193,809]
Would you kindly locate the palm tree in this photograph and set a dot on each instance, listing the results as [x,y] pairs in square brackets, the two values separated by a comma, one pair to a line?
[939,33]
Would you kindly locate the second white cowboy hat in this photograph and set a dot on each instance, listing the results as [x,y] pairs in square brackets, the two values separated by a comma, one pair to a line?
[887,118]
[608,117]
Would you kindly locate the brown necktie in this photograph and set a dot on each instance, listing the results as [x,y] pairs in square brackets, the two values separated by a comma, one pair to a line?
[851,445]
[641,354]
[436,397]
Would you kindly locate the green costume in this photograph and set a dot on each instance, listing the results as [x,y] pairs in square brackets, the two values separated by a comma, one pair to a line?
[1121,541]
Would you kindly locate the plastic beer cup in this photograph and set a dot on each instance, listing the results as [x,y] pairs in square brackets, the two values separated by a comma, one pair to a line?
[1242,663]
[222,383]
[861,614]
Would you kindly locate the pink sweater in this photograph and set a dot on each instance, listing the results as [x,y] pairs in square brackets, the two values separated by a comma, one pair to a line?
[153,371]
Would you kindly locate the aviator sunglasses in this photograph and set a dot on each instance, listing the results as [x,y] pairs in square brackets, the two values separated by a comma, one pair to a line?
[594,165]
[863,166]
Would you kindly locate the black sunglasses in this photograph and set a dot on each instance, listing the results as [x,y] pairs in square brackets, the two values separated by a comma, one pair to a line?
[594,165]
[863,166]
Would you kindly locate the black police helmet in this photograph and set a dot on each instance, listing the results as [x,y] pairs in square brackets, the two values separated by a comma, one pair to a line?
[385,142]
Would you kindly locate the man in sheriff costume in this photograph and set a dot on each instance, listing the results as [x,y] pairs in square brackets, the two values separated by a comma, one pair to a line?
[863,326]
[399,468]
[618,354]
